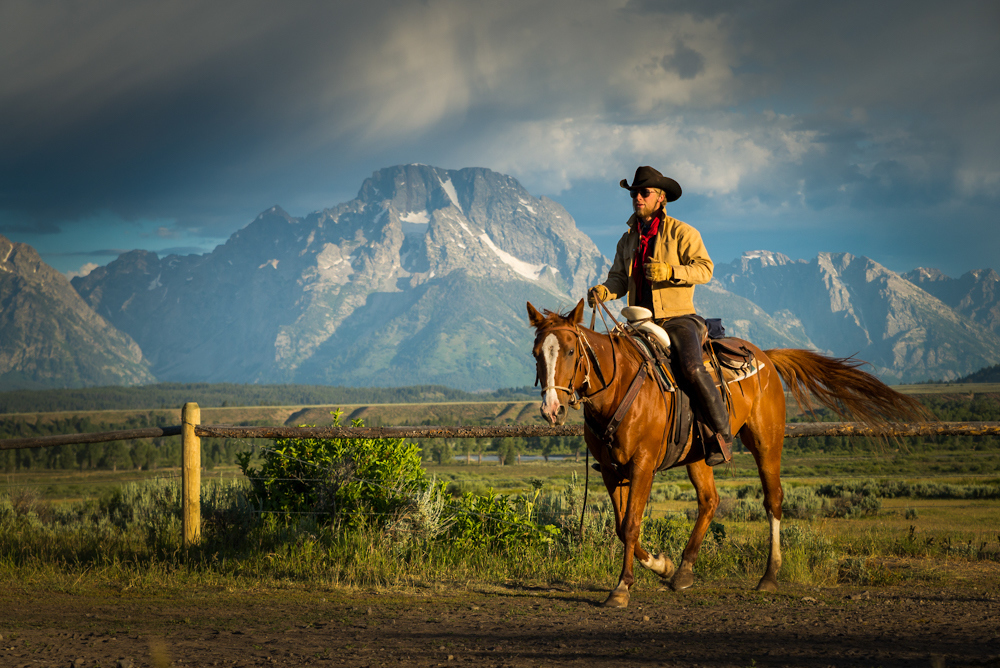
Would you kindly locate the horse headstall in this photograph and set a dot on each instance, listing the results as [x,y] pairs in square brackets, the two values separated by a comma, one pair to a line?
[592,363]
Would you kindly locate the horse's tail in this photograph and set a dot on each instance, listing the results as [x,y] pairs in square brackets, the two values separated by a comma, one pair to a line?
[838,384]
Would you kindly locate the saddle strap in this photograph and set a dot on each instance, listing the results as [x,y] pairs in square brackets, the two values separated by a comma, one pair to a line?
[630,395]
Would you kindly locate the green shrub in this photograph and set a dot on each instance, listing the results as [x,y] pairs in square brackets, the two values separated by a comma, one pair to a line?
[354,481]
[802,503]
[667,492]
[496,522]
[666,534]
[743,510]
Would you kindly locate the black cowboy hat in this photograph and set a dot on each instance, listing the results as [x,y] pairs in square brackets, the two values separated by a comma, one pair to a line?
[647,177]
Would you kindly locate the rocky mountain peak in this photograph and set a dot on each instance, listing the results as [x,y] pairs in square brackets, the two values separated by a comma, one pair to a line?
[848,304]
[975,294]
[751,260]
[925,274]
[427,269]
[50,337]
[985,276]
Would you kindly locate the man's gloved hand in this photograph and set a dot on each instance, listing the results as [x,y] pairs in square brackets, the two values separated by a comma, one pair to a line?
[598,293]
[658,271]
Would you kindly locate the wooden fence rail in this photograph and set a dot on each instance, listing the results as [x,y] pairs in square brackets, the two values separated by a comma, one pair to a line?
[93,437]
[792,430]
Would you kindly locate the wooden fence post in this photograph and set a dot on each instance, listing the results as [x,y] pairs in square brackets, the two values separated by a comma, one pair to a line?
[191,474]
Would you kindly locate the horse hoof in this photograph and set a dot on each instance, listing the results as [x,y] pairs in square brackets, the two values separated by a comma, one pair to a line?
[618,598]
[767,585]
[660,565]
[682,580]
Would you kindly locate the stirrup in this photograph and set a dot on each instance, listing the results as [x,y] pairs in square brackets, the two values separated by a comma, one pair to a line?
[724,453]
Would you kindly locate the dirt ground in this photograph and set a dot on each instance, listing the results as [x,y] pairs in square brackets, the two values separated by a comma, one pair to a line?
[712,624]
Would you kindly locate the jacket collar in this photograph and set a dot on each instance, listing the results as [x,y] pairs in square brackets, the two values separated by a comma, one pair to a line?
[633,221]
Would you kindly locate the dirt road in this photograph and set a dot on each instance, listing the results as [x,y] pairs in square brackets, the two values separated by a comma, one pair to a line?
[713,624]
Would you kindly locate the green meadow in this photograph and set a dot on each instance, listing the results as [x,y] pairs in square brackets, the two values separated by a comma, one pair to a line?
[857,511]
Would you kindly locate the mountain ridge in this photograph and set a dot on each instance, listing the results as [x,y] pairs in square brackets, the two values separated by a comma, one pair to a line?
[851,305]
[370,291]
[423,277]
[49,337]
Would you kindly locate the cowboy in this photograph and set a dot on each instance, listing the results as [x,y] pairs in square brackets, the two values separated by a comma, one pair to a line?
[657,263]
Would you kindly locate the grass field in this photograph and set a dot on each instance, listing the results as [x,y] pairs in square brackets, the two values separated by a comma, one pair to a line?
[916,527]
[892,541]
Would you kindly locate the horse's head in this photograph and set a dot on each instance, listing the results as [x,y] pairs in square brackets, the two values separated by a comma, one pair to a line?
[558,355]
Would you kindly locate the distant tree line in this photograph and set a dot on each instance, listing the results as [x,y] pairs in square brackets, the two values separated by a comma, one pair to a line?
[149,454]
[990,374]
[139,454]
[174,395]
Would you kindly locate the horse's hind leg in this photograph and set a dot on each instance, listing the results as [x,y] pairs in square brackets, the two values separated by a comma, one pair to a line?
[768,458]
[703,478]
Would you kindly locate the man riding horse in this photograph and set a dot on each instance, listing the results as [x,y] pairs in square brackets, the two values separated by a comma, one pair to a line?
[657,263]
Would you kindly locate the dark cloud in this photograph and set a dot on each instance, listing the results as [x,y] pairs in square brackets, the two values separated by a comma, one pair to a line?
[35,226]
[192,117]
[687,63]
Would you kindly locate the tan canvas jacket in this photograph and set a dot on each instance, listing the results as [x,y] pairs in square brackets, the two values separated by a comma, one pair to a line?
[677,244]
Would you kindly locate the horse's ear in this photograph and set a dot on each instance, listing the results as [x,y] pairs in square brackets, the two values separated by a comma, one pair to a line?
[576,315]
[534,317]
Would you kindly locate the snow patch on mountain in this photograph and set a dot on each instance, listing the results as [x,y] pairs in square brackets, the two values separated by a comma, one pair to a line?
[415,223]
[417,217]
[530,271]
[449,189]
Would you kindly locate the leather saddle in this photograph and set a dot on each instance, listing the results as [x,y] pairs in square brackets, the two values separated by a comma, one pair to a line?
[728,360]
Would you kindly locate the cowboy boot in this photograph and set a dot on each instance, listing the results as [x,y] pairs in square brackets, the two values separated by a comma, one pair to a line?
[714,410]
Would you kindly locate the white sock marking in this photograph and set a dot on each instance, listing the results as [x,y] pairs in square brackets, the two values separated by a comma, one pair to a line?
[775,540]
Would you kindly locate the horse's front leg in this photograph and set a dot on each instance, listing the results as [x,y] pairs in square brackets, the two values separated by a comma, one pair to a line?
[629,500]
[703,479]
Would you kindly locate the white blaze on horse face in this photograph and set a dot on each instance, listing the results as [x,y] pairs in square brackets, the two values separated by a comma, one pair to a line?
[550,353]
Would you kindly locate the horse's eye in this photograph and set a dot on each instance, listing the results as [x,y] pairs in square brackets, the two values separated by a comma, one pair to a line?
[569,353]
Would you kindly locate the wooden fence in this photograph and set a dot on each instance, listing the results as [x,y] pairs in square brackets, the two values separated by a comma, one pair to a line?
[191,432]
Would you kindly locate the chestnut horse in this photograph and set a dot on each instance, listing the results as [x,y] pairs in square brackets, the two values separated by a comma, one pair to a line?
[572,361]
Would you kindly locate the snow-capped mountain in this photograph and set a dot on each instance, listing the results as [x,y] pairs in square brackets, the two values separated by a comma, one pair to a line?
[420,279]
[847,305]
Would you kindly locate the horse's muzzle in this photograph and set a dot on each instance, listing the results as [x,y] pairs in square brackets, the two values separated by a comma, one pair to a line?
[555,417]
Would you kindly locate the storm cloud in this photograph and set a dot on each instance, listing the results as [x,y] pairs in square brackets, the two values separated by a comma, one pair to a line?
[798,127]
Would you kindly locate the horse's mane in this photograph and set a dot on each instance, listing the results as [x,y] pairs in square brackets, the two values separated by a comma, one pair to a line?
[556,318]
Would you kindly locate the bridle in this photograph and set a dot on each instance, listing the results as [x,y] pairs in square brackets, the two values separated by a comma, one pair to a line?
[585,354]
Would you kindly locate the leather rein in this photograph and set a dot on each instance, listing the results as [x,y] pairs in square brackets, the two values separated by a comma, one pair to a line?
[576,397]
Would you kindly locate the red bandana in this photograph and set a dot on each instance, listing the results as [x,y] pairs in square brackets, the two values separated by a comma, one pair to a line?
[642,254]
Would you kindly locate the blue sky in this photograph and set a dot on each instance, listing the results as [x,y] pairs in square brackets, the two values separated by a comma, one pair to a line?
[798,127]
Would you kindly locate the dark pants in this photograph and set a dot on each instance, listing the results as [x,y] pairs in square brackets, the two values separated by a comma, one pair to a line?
[686,333]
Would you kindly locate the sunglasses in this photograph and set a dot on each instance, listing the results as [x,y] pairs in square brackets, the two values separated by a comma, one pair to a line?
[645,192]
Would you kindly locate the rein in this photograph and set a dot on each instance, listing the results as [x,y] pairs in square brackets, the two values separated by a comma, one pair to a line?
[633,390]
